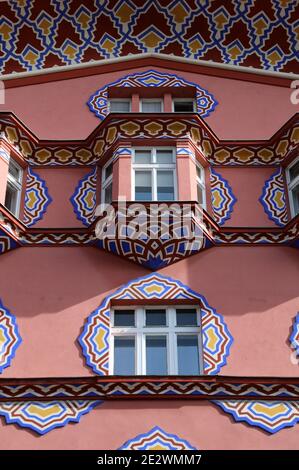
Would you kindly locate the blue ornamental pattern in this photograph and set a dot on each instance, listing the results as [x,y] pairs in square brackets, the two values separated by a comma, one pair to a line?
[84,198]
[273,199]
[98,102]
[37,198]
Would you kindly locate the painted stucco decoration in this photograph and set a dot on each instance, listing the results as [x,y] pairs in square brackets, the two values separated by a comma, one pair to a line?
[273,198]
[157,439]
[98,102]
[94,339]
[43,417]
[37,198]
[118,129]
[223,199]
[6,243]
[294,337]
[10,338]
[84,198]
[248,33]
[271,416]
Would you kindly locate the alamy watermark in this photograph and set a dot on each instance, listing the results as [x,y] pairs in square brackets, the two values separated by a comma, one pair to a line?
[160,221]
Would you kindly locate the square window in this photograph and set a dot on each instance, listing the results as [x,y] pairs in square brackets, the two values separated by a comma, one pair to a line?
[151,106]
[119,106]
[155,317]
[186,317]
[124,317]
[183,106]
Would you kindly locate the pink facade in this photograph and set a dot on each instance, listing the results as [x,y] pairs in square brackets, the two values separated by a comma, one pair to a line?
[230,162]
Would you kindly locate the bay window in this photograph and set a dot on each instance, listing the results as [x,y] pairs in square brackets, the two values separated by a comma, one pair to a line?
[200,185]
[13,188]
[156,341]
[107,175]
[154,175]
[293,186]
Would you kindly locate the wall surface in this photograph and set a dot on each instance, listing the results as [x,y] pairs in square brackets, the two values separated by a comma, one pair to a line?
[51,291]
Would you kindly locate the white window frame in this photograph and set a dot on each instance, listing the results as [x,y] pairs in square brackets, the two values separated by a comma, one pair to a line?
[292,184]
[16,184]
[154,167]
[176,100]
[148,100]
[201,182]
[106,181]
[140,331]
[129,100]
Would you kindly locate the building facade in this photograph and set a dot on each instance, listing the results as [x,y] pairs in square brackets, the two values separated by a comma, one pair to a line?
[149,224]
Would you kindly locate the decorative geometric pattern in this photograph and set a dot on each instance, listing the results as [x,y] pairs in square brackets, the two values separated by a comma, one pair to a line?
[157,439]
[9,337]
[37,198]
[6,242]
[223,198]
[204,387]
[42,417]
[94,340]
[38,35]
[84,198]
[271,416]
[273,198]
[98,102]
[294,338]
[115,131]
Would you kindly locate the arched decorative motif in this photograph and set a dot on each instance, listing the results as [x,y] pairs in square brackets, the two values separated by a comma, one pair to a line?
[223,199]
[9,337]
[42,417]
[94,340]
[98,102]
[84,198]
[271,416]
[157,439]
[273,198]
[37,198]
[294,338]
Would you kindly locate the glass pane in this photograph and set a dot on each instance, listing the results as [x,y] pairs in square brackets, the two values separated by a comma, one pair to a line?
[199,172]
[118,106]
[183,106]
[15,171]
[11,198]
[164,156]
[295,195]
[143,156]
[165,187]
[124,318]
[156,355]
[151,106]
[155,317]
[124,355]
[143,185]
[199,194]
[188,355]
[108,194]
[294,171]
[108,171]
[186,317]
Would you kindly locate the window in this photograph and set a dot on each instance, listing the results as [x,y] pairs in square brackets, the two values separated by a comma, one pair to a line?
[156,341]
[107,175]
[154,174]
[293,186]
[14,188]
[200,184]
[183,105]
[151,106]
[120,106]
